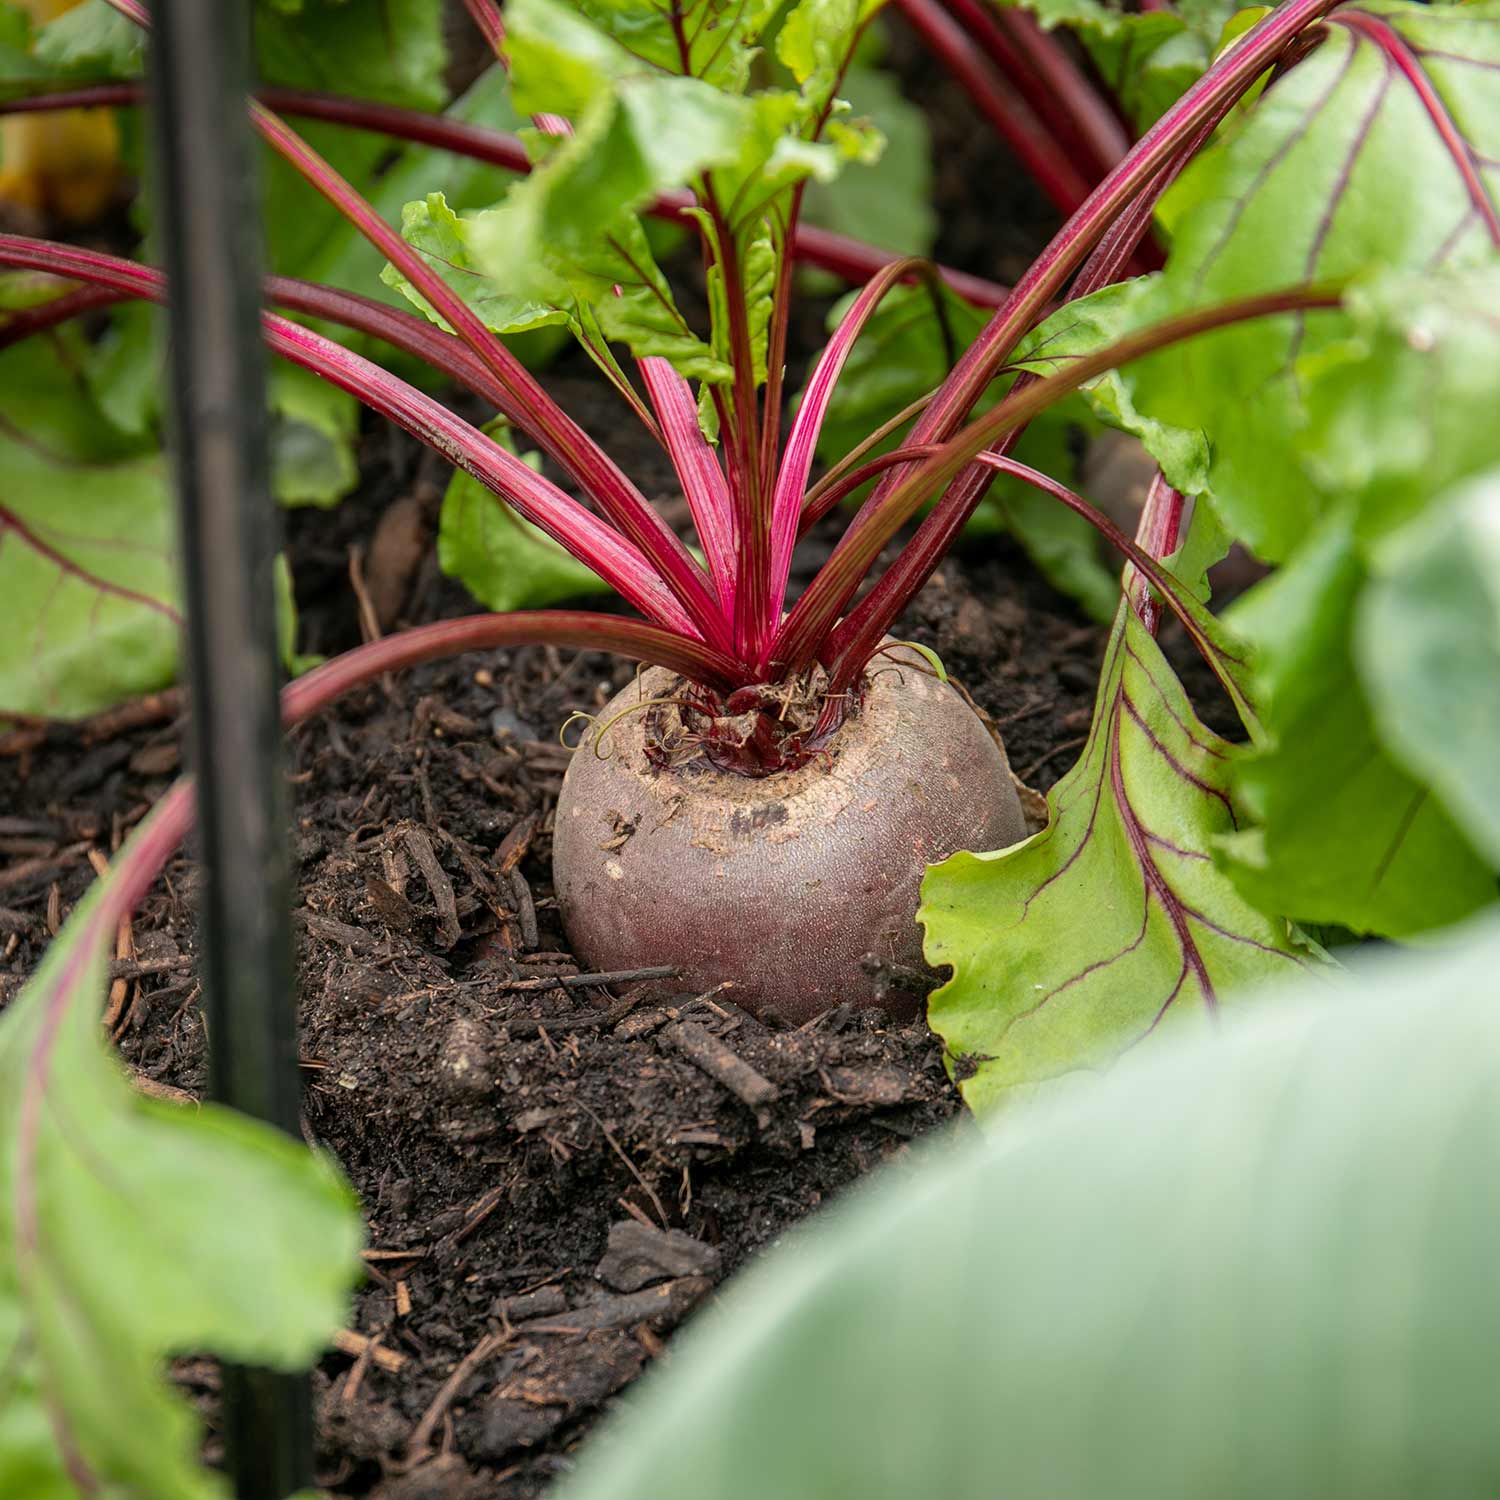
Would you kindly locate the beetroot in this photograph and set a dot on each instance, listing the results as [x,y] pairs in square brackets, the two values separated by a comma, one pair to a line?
[779,884]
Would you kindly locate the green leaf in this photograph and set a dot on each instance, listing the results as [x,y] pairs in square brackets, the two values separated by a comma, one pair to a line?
[1188,1279]
[1427,644]
[296,662]
[1146,59]
[317,243]
[1342,833]
[391,50]
[505,562]
[1403,407]
[131,1230]
[614,290]
[1113,925]
[91,610]
[92,38]
[1337,169]
[720,35]
[313,430]
[815,42]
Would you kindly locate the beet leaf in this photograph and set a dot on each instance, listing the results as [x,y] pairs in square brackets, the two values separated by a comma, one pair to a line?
[1342,165]
[1114,923]
[1427,640]
[91,598]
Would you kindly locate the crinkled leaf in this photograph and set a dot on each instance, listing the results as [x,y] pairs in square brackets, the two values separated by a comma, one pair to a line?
[505,562]
[720,35]
[1257,1264]
[1427,644]
[815,42]
[1341,833]
[1113,924]
[337,254]
[614,286]
[131,1230]
[90,610]
[758,263]
[1339,167]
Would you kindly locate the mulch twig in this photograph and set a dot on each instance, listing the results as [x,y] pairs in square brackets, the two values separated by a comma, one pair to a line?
[724,1065]
[420,848]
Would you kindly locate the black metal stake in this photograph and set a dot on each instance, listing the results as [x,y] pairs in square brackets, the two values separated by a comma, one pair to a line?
[208,215]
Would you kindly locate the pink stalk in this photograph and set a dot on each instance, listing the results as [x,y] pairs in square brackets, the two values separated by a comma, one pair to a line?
[578,530]
[1161,520]
[1011,116]
[538,500]
[406,331]
[1219,87]
[486,16]
[1052,83]
[558,434]
[1106,263]
[796,463]
[884,514]
[698,472]
[841,256]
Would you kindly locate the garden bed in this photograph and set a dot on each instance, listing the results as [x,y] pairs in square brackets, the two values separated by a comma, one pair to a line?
[555,1172]
[495,1120]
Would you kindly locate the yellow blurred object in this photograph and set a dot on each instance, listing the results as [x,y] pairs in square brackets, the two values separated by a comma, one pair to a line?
[62,167]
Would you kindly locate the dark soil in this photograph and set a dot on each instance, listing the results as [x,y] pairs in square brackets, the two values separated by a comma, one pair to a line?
[555,1171]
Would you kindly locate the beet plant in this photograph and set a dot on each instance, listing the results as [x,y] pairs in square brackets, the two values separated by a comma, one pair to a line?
[1313,370]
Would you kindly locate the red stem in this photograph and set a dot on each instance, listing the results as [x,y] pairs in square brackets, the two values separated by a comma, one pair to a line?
[557,433]
[1157,532]
[589,464]
[822,499]
[904,579]
[1052,83]
[29,320]
[1000,104]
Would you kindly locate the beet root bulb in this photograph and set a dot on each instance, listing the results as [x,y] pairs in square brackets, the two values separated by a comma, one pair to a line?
[780,884]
